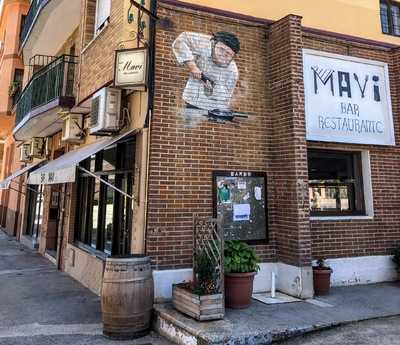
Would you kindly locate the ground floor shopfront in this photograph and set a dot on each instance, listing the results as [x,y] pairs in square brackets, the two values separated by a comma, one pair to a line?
[296,176]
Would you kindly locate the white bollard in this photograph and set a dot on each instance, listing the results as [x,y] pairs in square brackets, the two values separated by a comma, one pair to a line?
[273,285]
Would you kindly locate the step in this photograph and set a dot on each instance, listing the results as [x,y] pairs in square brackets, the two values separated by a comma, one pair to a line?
[183,330]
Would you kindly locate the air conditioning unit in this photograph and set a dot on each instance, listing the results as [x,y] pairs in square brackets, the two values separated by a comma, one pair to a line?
[37,146]
[105,112]
[72,128]
[47,146]
[25,150]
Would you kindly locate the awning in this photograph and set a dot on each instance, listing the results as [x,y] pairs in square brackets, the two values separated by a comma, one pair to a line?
[5,184]
[63,169]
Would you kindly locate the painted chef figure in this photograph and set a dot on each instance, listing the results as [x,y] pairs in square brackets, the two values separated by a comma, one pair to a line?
[213,72]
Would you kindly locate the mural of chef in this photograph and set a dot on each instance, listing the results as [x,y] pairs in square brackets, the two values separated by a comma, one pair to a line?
[213,73]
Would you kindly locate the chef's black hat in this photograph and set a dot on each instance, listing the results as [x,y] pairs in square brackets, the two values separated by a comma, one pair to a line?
[228,39]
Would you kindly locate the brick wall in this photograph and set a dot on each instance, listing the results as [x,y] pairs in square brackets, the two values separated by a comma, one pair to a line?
[273,140]
[98,53]
[287,144]
[381,234]
[183,157]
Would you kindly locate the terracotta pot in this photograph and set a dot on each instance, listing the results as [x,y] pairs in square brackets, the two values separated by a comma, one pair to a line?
[322,281]
[238,289]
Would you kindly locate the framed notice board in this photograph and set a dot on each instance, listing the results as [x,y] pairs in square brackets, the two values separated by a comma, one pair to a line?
[240,203]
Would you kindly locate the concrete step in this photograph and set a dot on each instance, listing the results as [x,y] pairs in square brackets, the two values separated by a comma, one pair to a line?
[265,324]
[183,330]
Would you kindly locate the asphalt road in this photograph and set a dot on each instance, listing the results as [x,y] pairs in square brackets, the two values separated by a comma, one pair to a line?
[372,332]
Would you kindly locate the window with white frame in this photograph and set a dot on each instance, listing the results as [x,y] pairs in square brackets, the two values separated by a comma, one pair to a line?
[339,183]
[103,11]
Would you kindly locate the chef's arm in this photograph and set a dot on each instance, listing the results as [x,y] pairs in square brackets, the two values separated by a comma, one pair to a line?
[188,45]
[194,70]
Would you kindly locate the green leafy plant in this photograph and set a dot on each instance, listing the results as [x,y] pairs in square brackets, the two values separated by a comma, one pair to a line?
[14,87]
[396,258]
[321,265]
[205,275]
[240,258]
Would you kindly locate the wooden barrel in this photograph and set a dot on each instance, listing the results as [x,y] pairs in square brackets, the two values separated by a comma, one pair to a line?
[127,297]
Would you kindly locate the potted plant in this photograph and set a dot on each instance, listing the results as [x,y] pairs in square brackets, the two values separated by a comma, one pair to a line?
[14,88]
[241,265]
[201,298]
[396,259]
[322,278]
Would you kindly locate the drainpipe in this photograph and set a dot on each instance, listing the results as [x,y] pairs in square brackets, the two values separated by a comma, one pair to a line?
[152,50]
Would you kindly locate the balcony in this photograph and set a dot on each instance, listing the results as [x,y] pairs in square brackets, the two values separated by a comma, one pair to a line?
[50,90]
[48,25]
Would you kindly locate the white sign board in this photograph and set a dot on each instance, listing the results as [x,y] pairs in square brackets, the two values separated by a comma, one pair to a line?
[131,68]
[347,99]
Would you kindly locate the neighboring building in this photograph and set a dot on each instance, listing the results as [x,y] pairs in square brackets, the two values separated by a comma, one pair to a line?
[285,128]
[11,74]
[50,64]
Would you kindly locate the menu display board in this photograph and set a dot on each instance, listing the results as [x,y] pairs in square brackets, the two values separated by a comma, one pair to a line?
[240,204]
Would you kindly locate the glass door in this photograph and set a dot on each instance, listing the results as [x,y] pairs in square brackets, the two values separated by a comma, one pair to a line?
[35,211]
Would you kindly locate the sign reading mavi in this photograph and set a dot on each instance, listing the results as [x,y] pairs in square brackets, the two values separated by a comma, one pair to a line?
[347,99]
[131,68]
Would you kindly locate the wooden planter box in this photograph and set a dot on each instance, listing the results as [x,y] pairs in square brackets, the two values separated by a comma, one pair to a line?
[201,308]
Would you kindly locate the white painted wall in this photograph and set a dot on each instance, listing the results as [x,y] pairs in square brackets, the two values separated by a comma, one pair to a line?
[293,280]
[163,281]
[362,270]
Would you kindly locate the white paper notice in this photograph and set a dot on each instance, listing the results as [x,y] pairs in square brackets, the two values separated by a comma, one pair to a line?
[241,185]
[257,193]
[241,212]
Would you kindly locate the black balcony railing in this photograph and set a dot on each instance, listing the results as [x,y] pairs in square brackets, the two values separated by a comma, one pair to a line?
[37,62]
[36,6]
[52,82]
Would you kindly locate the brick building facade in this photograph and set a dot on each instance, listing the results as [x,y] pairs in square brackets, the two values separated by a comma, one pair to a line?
[178,148]
[272,140]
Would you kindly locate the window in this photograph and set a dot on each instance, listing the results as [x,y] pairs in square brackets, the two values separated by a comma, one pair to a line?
[335,183]
[105,223]
[103,9]
[22,23]
[17,85]
[390,17]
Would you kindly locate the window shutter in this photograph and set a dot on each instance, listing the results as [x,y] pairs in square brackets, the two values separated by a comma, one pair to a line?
[103,10]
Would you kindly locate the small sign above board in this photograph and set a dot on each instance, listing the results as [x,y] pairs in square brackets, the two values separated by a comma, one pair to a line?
[240,204]
[131,68]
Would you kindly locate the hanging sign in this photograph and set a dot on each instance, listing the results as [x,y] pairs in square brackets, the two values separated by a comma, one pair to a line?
[347,99]
[131,68]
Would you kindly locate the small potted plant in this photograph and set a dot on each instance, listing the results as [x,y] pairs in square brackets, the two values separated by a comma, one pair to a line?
[200,298]
[396,259]
[322,278]
[241,265]
[14,88]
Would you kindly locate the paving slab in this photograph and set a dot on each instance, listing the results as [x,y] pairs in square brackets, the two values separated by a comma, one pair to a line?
[264,324]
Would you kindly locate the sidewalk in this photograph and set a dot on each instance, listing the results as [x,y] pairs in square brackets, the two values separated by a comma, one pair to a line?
[40,305]
[263,324]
